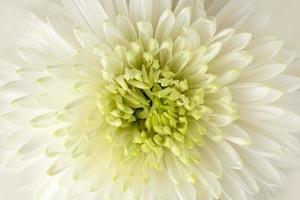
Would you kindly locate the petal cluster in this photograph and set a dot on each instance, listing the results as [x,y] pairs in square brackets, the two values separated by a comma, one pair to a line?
[150,99]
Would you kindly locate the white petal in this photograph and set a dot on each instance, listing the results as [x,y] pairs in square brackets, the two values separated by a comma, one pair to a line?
[254,93]
[237,42]
[140,10]
[260,168]
[113,35]
[263,73]
[186,191]
[87,14]
[213,132]
[288,160]
[180,5]
[45,188]
[84,169]
[288,142]
[60,164]
[198,10]
[233,12]
[64,72]
[281,123]
[266,142]
[109,8]
[179,61]
[212,51]
[55,148]
[16,117]
[285,83]
[88,71]
[237,135]
[55,86]
[121,7]
[112,64]
[27,102]
[213,7]
[206,29]
[285,57]
[213,185]
[210,184]
[228,77]
[257,113]
[183,19]
[126,27]
[159,6]
[221,120]
[191,36]
[173,170]
[265,146]
[51,43]
[29,148]
[290,101]
[211,161]
[44,120]
[7,71]
[35,57]
[36,169]
[85,38]
[246,180]
[223,36]
[145,29]
[227,154]
[16,89]
[165,25]
[257,22]
[265,52]
[232,189]
[238,60]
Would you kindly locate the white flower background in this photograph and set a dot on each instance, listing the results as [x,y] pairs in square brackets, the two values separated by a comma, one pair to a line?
[284,22]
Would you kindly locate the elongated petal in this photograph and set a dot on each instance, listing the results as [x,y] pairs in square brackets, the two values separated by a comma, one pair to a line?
[140,10]
[165,25]
[236,134]
[261,168]
[87,14]
[264,73]
[229,157]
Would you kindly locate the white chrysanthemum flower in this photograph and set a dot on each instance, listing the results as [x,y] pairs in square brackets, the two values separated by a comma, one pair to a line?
[150,100]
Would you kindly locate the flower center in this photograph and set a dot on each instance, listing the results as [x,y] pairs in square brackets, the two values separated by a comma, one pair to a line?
[151,98]
[150,106]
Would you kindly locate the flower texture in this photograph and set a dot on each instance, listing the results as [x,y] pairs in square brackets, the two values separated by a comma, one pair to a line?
[150,100]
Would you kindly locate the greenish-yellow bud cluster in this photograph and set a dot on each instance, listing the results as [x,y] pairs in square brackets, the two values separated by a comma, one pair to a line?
[151,107]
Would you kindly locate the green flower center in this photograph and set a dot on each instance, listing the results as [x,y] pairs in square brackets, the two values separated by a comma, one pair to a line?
[151,108]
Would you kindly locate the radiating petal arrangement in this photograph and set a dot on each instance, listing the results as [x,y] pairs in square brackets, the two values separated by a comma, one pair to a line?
[150,100]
